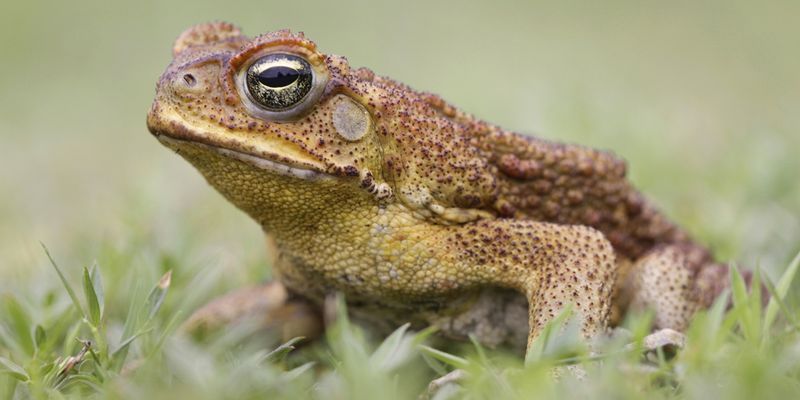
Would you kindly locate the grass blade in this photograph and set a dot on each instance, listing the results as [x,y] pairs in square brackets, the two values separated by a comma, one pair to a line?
[741,305]
[97,284]
[39,336]
[280,353]
[122,348]
[66,284]
[447,358]
[91,298]
[780,292]
[423,335]
[157,295]
[756,304]
[437,366]
[19,323]
[782,306]
[479,349]
[542,345]
[12,369]
[386,353]
[295,373]
[134,322]
[130,328]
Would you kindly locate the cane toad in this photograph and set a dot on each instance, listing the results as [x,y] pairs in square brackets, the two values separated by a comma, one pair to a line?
[413,209]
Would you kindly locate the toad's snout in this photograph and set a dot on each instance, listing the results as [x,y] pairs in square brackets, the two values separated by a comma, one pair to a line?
[178,88]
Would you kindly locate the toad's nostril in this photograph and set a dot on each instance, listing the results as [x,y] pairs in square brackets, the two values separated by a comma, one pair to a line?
[189,79]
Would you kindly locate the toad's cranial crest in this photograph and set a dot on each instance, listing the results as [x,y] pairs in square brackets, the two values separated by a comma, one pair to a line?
[415,210]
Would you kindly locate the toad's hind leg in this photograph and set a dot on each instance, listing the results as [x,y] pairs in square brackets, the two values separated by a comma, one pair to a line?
[555,266]
[674,282]
[270,306]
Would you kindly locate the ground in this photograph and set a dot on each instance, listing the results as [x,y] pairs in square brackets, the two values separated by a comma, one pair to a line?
[699,98]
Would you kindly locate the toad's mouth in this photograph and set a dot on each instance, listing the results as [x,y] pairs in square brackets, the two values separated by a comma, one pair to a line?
[256,161]
[268,156]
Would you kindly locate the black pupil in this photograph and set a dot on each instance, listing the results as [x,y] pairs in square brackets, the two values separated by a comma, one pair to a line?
[278,77]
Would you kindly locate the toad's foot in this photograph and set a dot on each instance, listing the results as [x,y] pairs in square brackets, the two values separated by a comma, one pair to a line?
[674,282]
[270,306]
[667,340]
[445,387]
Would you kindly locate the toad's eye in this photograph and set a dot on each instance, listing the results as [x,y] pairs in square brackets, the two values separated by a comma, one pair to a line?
[278,82]
[281,86]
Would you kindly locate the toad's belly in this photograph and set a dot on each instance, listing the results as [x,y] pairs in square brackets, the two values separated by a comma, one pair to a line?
[494,316]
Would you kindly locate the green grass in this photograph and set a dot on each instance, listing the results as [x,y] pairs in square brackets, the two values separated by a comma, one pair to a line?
[66,344]
[700,97]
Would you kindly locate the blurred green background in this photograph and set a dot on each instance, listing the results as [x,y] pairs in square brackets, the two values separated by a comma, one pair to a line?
[702,99]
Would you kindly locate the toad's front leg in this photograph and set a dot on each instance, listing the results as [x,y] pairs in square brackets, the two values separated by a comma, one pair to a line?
[554,266]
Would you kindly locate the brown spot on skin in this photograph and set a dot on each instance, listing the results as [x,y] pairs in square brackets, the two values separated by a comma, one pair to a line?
[350,170]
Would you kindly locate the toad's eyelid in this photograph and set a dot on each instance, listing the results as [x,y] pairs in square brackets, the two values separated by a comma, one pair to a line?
[264,65]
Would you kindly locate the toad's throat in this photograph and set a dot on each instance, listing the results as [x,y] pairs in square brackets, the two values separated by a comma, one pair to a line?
[256,161]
